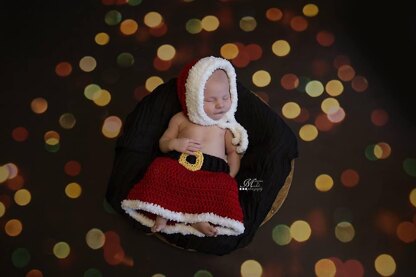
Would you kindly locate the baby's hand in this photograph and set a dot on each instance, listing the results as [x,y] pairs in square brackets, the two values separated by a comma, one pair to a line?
[186,145]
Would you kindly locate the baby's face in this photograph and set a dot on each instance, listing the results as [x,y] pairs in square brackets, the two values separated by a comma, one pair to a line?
[217,98]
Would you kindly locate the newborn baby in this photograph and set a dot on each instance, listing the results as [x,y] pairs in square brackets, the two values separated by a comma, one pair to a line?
[192,190]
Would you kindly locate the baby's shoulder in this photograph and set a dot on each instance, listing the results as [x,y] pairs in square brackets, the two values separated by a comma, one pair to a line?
[178,119]
[178,116]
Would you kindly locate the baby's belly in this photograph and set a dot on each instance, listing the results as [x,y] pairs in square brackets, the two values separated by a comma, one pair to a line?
[214,151]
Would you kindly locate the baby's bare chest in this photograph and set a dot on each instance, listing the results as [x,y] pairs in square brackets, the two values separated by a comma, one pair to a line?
[202,133]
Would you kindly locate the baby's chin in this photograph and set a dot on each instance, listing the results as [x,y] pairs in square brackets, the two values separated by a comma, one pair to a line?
[217,116]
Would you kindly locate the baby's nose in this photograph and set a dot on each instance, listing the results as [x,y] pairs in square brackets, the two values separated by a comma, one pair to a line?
[220,104]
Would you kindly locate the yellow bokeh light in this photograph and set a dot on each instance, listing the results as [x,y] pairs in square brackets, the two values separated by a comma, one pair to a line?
[251,268]
[4,173]
[310,10]
[128,27]
[102,38]
[382,150]
[324,182]
[52,141]
[329,105]
[334,87]
[261,78]
[281,48]
[291,110]
[344,231]
[153,82]
[111,127]
[39,105]
[248,23]
[378,151]
[153,19]
[229,51]
[385,265]
[102,97]
[95,238]
[325,268]
[210,23]
[51,138]
[300,230]
[2,209]
[13,227]
[87,64]
[61,250]
[73,190]
[166,52]
[22,197]
[412,197]
[308,132]
[314,88]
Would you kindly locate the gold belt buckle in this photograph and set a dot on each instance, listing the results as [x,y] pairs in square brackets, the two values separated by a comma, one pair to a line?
[195,166]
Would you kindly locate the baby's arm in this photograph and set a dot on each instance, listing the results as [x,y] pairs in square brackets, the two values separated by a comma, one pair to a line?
[170,141]
[232,156]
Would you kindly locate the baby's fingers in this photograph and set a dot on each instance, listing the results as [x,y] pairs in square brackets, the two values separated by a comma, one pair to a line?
[195,146]
[193,141]
[189,152]
[193,149]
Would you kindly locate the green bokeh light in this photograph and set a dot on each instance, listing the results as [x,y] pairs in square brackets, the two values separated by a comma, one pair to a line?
[409,166]
[92,272]
[281,234]
[20,257]
[52,148]
[193,26]
[369,152]
[134,2]
[113,18]
[303,81]
[125,60]
[203,273]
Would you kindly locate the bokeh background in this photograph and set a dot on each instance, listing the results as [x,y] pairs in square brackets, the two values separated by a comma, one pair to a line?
[71,71]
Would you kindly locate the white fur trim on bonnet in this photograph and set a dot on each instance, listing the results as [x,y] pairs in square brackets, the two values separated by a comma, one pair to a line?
[195,86]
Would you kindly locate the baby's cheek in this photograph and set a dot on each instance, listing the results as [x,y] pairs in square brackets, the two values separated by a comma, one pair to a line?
[208,106]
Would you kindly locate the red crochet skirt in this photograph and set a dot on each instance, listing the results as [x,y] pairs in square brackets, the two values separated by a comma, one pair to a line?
[170,188]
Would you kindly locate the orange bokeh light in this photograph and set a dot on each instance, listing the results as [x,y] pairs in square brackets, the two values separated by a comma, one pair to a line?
[72,168]
[289,81]
[350,178]
[20,134]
